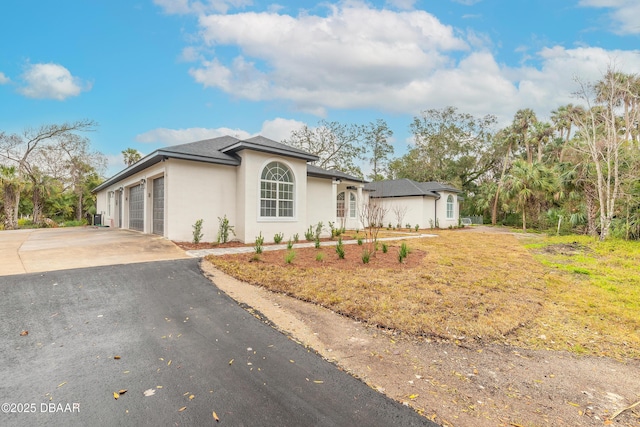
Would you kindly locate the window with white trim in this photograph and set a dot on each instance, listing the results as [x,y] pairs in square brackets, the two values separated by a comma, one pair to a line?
[352,205]
[340,205]
[450,207]
[276,191]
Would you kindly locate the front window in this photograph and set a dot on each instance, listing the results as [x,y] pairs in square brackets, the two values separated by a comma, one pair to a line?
[450,207]
[352,205]
[340,205]
[276,191]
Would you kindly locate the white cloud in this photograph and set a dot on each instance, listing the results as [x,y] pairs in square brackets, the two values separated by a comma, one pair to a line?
[276,129]
[51,81]
[401,62]
[624,14]
[4,79]
[279,129]
[181,136]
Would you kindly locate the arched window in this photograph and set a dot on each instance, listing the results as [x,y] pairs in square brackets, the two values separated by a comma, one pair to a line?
[352,205]
[450,207]
[340,205]
[276,191]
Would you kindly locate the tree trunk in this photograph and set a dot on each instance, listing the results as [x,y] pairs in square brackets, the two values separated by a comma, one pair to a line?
[591,212]
[37,204]
[11,201]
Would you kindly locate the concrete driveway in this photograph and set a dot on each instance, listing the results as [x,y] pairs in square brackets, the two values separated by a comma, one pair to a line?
[38,250]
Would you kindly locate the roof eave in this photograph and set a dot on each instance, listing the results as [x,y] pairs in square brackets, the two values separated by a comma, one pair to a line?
[244,145]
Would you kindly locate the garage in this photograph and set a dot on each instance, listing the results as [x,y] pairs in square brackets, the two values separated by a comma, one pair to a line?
[158,206]
[136,207]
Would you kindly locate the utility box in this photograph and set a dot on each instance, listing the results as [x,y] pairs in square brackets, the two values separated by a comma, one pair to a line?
[97,219]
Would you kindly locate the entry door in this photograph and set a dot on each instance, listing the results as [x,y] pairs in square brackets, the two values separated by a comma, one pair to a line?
[158,206]
[136,208]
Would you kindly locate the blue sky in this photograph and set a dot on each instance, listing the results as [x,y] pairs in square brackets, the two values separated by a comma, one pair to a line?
[161,72]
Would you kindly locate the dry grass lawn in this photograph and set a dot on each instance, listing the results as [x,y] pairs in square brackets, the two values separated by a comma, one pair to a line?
[476,287]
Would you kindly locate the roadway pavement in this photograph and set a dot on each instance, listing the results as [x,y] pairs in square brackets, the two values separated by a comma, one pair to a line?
[185,350]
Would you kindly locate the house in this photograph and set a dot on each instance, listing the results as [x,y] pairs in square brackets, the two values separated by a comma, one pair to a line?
[260,185]
[427,204]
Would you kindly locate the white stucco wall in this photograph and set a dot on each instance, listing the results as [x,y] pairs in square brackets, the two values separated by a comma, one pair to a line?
[195,190]
[320,204]
[421,210]
[249,172]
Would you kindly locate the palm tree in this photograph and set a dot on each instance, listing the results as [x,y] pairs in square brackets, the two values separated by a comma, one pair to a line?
[522,122]
[11,185]
[131,156]
[526,182]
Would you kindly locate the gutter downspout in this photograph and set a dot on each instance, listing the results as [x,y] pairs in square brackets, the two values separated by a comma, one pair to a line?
[435,209]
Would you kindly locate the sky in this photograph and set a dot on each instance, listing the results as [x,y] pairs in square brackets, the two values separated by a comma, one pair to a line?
[154,73]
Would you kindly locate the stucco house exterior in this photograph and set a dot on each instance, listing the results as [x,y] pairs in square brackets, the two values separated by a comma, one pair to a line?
[262,186]
[428,204]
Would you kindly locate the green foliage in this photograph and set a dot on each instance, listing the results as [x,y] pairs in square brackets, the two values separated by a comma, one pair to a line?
[366,255]
[197,231]
[258,244]
[403,252]
[360,241]
[319,256]
[290,244]
[278,238]
[296,238]
[385,248]
[333,230]
[289,256]
[340,249]
[408,226]
[224,229]
[26,223]
[316,243]
[376,136]
[318,231]
[431,224]
[417,227]
[74,223]
[308,235]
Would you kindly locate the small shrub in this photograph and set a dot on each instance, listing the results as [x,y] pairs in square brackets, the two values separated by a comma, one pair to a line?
[258,244]
[389,226]
[224,229]
[278,238]
[365,256]
[431,224]
[408,226]
[255,258]
[417,227]
[334,231]
[403,252]
[385,248]
[290,244]
[289,256]
[319,256]
[197,231]
[340,249]
[437,223]
[318,231]
[296,238]
[360,241]
[308,235]
[316,243]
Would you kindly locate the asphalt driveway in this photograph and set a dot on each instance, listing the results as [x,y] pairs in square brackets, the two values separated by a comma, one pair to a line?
[49,249]
[185,349]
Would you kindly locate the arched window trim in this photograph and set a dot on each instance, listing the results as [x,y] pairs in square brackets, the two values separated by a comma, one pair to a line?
[277,191]
[450,207]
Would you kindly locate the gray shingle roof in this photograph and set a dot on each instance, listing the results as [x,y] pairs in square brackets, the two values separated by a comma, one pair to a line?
[333,174]
[406,187]
[221,150]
